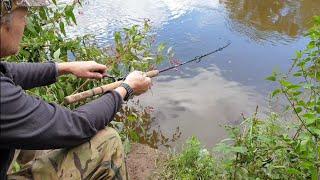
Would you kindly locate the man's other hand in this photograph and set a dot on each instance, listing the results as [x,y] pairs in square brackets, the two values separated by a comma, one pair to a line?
[138,81]
[82,69]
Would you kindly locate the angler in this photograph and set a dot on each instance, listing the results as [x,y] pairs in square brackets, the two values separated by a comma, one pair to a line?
[82,146]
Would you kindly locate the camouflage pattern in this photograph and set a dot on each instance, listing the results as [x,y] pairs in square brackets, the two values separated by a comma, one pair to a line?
[32,3]
[100,158]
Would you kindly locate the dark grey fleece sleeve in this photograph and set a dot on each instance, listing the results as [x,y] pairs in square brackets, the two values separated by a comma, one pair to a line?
[30,75]
[28,122]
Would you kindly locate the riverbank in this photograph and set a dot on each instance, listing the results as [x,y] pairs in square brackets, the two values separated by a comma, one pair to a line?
[143,161]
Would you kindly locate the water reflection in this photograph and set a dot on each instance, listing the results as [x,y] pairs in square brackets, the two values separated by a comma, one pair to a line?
[199,105]
[201,100]
[261,19]
[102,18]
[136,123]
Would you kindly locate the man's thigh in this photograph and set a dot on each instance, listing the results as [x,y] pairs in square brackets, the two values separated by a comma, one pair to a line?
[100,158]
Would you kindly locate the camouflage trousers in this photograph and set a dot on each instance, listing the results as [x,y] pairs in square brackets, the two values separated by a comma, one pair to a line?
[100,158]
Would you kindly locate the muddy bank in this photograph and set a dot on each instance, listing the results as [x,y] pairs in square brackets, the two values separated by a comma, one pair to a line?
[142,161]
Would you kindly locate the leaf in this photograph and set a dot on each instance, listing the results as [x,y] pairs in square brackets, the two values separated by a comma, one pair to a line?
[16,166]
[293,171]
[315,130]
[294,87]
[69,88]
[314,174]
[161,47]
[131,118]
[271,78]
[127,146]
[311,45]
[134,135]
[307,85]
[285,83]
[31,27]
[117,37]
[62,29]
[239,149]
[276,92]
[42,13]
[147,58]
[310,121]
[69,13]
[298,109]
[297,74]
[137,38]
[298,54]
[56,54]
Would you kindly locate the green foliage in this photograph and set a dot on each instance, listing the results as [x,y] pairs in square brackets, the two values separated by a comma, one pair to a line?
[263,148]
[45,40]
[194,162]
[270,148]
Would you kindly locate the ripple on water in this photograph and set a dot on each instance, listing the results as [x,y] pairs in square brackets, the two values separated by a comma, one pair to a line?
[98,16]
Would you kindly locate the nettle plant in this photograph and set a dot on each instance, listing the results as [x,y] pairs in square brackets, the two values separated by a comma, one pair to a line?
[269,149]
[303,96]
[45,39]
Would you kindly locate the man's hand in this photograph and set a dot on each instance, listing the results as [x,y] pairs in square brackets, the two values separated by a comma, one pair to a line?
[138,81]
[82,69]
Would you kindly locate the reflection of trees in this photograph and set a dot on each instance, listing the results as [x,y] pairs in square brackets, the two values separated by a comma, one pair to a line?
[289,17]
[137,124]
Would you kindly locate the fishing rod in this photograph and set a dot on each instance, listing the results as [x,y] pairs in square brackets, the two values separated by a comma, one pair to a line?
[117,81]
[196,59]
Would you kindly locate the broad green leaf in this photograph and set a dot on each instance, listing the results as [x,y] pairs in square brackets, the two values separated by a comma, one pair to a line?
[271,78]
[298,54]
[62,29]
[275,92]
[285,83]
[131,118]
[298,109]
[56,54]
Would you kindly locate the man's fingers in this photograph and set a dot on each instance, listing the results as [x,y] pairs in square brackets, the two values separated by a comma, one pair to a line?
[149,81]
[99,67]
[94,75]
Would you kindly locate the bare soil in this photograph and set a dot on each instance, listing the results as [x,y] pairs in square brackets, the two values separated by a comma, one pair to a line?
[142,161]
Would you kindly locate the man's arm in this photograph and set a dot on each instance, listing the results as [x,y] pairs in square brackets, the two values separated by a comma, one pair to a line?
[27,122]
[30,75]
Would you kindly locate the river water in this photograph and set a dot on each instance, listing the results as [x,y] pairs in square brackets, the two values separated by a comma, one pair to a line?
[202,97]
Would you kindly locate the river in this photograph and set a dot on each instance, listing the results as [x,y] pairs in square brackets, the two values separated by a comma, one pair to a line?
[202,97]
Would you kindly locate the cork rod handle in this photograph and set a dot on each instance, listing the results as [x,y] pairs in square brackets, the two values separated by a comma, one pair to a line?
[100,90]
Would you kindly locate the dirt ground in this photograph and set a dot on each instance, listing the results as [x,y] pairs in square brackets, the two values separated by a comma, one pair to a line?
[142,161]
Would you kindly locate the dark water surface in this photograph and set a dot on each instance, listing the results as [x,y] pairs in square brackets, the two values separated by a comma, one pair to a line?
[201,97]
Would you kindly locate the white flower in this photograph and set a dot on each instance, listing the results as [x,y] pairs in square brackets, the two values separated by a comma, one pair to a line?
[204,153]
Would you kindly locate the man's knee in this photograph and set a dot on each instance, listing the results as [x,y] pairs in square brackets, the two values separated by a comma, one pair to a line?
[106,141]
[107,134]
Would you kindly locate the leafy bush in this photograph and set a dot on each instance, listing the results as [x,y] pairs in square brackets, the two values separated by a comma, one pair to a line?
[267,148]
[194,162]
